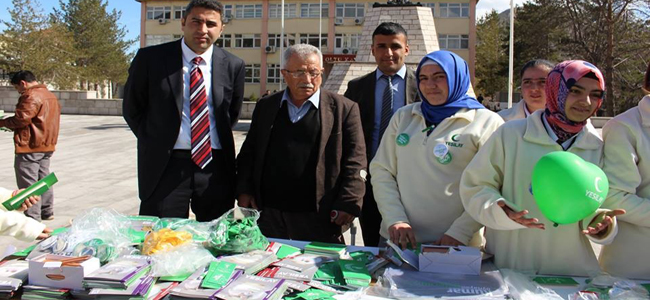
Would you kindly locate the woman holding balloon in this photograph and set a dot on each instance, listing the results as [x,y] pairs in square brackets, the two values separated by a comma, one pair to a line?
[496,187]
[627,164]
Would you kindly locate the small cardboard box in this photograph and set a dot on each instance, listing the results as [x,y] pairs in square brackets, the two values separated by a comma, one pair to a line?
[47,270]
[450,260]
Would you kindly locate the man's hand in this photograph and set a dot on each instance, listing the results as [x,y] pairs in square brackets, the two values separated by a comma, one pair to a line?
[520,217]
[28,202]
[446,240]
[401,234]
[343,218]
[45,234]
[600,223]
[246,200]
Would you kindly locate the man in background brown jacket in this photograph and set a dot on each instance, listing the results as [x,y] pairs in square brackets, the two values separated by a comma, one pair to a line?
[36,130]
[304,159]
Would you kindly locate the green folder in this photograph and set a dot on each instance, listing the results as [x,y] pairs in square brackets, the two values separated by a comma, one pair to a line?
[36,189]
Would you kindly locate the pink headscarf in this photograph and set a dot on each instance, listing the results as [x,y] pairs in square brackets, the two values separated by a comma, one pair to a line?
[558,83]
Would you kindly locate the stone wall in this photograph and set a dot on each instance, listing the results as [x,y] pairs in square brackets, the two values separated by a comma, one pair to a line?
[72,102]
[86,103]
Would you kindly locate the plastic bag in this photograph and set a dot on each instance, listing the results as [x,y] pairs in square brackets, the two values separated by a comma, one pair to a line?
[164,240]
[521,287]
[236,231]
[180,260]
[614,288]
[200,231]
[103,233]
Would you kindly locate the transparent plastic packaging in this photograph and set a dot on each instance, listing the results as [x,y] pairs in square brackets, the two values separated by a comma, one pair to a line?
[103,233]
[236,231]
[521,287]
[614,288]
[200,231]
[183,259]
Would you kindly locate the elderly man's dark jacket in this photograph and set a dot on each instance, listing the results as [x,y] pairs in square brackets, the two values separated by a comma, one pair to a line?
[341,165]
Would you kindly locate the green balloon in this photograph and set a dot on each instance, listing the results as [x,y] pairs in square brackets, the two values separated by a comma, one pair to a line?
[567,188]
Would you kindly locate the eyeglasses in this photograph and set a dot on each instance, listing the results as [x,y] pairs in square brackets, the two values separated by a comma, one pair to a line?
[301,73]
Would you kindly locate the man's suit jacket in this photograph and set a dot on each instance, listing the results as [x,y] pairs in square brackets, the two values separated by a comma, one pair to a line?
[362,91]
[341,166]
[153,104]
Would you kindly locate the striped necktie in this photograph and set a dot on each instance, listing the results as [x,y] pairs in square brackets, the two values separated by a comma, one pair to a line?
[199,117]
[386,105]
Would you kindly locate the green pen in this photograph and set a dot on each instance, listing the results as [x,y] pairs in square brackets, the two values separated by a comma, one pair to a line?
[429,128]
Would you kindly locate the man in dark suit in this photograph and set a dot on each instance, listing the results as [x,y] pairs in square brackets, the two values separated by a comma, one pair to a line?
[379,95]
[303,163]
[181,101]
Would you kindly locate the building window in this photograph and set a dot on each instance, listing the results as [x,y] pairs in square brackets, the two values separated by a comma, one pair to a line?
[155,39]
[433,8]
[349,10]
[454,10]
[274,40]
[248,11]
[227,11]
[451,41]
[253,73]
[224,41]
[312,39]
[275,11]
[247,41]
[346,43]
[310,10]
[179,12]
[159,12]
[273,74]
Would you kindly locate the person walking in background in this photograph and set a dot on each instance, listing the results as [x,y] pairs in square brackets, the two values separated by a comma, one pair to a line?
[181,101]
[533,97]
[627,165]
[379,95]
[303,162]
[36,132]
[423,153]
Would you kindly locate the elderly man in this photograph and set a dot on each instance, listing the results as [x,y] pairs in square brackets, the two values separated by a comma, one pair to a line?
[303,162]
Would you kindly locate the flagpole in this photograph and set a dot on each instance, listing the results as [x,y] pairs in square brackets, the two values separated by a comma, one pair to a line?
[511,54]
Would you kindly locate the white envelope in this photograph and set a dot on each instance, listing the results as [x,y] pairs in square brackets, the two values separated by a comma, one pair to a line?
[450,260]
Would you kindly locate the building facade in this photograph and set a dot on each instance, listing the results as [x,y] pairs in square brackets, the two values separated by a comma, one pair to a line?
[253,29]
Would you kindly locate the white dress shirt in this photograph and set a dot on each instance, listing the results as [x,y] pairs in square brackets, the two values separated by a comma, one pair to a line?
[184,140]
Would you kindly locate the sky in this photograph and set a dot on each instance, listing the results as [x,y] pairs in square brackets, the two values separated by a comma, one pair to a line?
[130,19]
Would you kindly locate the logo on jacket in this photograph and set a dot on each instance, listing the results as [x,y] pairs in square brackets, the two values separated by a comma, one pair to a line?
[454,141]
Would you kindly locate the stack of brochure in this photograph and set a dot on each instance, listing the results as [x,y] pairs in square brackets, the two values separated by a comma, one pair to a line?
[301,267]
[121,273]
[326,249]
[355,273]
[42,292]
[251,262]
[190,288]
[138,290]
[12,275]
[251,287]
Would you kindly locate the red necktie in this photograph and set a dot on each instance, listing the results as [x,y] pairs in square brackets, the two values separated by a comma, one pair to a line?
[199,117]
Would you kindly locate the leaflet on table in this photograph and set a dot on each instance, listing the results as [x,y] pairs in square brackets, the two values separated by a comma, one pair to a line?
[403,283]
[139,288]
[190,287]
[283,251]
[251,262]
[120,272]
[251,287]
[219,272]
[36,189]
[408,256]
[285,273]
[355,273]
[303,262]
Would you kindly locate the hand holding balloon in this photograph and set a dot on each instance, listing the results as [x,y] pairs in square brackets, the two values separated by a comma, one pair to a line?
[567,188]
[520,217]
[600,223]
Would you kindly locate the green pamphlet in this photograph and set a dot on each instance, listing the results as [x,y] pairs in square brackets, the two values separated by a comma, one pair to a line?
[35,189]
[218,274]
[177,278]
[355,273]
[565,281]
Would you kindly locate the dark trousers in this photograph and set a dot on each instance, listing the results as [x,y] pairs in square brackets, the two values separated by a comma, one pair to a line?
[209,191]
[370,218]
[304,226]
[30,168]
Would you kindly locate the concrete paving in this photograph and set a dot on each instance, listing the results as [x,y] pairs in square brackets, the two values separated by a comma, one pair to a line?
[95,162]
